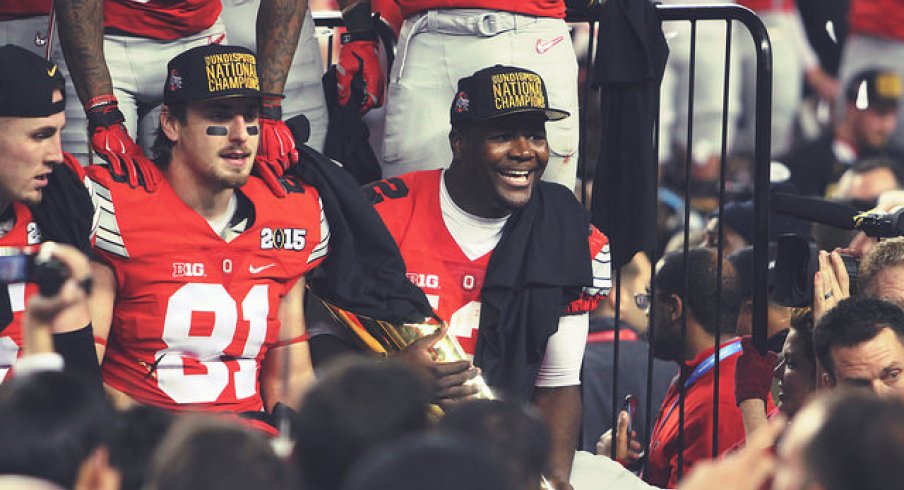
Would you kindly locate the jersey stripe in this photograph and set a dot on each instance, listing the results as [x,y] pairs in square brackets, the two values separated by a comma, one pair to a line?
[602,273]
[106,232]
[321,248]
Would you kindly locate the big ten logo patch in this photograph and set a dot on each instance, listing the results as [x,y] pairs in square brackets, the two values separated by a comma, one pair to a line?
[517,90]
[283,239]
[188,269]
[33,233]
[393,188]
[230,71]
[428,281]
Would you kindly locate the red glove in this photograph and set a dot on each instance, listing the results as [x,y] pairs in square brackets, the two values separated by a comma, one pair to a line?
[753,375]
[360,57]
[111,141]
[277,151]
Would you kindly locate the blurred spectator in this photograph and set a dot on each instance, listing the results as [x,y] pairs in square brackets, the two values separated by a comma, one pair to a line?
[204,453]
[875,39]
[867,179]
[850,440]
[354,406]
[796,370]
[882,271]
[863,130]
[779,316]
[135,436]
[437,462]
[54,425]
[860,342]
[515,434]
[598,369]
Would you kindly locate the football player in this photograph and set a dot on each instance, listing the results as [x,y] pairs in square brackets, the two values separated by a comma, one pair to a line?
[486,226]
[199,286]
[41,199]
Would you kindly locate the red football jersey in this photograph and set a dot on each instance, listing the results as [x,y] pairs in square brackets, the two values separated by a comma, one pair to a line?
[882,18]
[410,207]
[195,314]
[537,8]
[19,9]
[161,19]
[25,232]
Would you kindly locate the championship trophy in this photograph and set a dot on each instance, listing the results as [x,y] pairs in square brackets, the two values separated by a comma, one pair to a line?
[387,338]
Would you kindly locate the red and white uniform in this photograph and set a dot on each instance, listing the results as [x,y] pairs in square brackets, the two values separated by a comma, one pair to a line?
[23,233]
[195,315]
[538,8]
[161,19]
[411,207]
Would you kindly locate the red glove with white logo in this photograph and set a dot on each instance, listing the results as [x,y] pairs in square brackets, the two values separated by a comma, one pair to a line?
[359,55]
[111,141]
[277,151]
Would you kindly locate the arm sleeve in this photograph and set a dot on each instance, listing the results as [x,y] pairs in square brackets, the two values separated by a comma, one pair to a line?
[564,353]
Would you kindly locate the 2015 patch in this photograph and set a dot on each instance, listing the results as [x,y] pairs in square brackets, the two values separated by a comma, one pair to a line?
[283,239]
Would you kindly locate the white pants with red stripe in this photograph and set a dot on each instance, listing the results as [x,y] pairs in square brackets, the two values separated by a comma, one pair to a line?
[438,47]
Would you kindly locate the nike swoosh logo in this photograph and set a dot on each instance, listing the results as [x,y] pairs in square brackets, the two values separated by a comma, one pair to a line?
[51,72]
[256,270]
[544,46]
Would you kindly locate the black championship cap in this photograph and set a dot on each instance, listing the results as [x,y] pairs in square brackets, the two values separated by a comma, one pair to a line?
[210,72]
[27,83]
[500,91]
[875,89]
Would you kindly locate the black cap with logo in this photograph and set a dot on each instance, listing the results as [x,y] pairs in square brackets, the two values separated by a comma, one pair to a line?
[875,89]
[210,72]
[27,84]
[499,91]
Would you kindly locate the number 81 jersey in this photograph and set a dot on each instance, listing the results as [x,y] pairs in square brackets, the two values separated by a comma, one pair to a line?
[195,315]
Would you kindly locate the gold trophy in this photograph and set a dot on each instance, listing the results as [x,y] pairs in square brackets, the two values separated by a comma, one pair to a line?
[386,338]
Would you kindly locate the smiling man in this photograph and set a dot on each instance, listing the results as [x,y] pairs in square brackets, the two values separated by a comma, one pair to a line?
[860,342]
[510,263]
[199,287]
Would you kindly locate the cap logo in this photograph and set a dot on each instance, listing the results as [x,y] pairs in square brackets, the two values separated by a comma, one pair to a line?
[231,71]
[462,102]
[518,90]
[888,85]
[175,81]
[52,71]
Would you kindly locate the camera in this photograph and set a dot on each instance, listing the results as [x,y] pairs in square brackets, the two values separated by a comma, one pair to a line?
[796,262]
[25,265]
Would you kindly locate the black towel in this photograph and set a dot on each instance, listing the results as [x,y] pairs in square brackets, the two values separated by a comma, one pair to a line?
[541,264]
[363,272]
[628,69]
[347,137]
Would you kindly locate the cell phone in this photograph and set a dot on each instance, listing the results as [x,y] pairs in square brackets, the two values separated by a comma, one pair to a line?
[630,406]
[21,265]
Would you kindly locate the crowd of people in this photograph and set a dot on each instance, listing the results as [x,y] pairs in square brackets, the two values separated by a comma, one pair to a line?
[194,296]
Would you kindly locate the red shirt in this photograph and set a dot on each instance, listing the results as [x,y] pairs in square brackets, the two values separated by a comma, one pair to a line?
[410,207]
[24,232]
[538,8]
[20,9]
[767,5]
[881,18]
[662,464]
[195,315]
[161,19]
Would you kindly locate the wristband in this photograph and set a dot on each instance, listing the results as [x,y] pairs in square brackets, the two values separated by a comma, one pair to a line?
[271,108]
[100,100]
[357,17]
